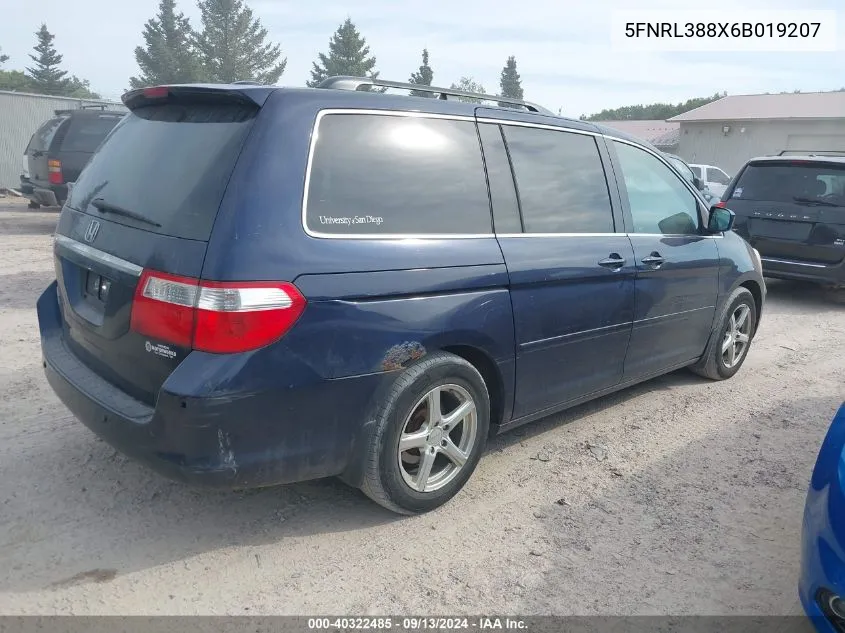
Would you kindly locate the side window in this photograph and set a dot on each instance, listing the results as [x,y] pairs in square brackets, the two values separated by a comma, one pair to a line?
[718,176]
[560,180]
[500,179]
[396,175]
[696,170]
[659,201]
[40,141]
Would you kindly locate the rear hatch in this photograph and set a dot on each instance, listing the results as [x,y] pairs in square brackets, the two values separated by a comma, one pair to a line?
[77,141]
[792,209]
[146,204]
[39,146]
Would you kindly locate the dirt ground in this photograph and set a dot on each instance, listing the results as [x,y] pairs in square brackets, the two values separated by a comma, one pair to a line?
[679,496]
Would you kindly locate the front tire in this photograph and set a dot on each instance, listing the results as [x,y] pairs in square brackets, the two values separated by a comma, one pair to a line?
[430,431]
[731,339]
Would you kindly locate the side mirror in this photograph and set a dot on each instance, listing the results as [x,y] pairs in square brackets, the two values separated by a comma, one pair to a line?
[699,184]
[721,220]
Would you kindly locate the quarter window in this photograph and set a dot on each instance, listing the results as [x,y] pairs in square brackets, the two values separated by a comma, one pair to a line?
[659,201]
[394,175]
[560,180]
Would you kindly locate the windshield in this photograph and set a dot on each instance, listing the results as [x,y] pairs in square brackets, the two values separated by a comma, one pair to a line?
[169,163]
[718,176]
[784,182]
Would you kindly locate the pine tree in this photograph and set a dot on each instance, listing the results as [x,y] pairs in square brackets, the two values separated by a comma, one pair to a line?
[45,74]
[168,56]
[510,82]
[232,45]
[348,55]
[423,77]
[468,84]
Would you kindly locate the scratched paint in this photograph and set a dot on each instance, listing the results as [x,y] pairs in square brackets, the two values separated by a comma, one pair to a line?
[227,456]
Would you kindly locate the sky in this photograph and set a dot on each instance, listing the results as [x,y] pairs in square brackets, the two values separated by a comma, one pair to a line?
[562,47]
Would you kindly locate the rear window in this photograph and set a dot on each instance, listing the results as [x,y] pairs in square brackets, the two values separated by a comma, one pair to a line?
[396,175]
[169,163]
[783,182]
[40,141]
[86,133]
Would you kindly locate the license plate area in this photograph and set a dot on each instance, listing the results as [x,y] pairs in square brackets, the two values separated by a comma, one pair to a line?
[779,229]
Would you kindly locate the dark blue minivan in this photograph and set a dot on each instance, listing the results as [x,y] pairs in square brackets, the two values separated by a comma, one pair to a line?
[260,285]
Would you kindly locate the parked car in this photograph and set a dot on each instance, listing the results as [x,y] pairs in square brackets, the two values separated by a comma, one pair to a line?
[715,179]
[681,165]
[822,583]
[59,150]
[260,285]
[792,210]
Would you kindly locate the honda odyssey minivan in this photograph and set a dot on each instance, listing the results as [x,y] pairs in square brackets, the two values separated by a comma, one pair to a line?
[260,285]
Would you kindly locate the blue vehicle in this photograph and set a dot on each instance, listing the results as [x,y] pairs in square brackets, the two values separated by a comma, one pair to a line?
[260,285]
[822,584]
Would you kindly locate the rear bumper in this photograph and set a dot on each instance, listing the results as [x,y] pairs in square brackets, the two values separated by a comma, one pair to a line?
[823,534]
[804,271]
[241,439]
[48,195]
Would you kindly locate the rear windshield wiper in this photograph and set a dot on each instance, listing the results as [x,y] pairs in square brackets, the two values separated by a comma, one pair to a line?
[816,202]
[106,207]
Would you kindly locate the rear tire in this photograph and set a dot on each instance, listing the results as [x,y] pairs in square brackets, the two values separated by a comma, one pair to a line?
[33,205]
[441,450]
[731,340]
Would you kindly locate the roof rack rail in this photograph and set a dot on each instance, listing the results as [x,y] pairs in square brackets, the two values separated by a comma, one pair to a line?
[812,152]
[103,107]
[354,83]
[245,82]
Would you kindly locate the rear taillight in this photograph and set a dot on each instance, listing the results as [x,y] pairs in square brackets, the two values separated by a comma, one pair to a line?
[156,92]
[721,204]
[54,172]
[213,316]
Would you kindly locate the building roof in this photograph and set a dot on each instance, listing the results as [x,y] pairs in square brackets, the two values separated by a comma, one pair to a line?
[648,130]
[668,139]
[801,105]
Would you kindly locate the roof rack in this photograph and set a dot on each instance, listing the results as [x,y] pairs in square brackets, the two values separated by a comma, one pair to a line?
[354,83]
[97,106]
[813,152]
[245,82]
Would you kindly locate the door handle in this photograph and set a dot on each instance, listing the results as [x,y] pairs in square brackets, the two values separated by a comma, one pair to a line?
[614,261]
[655,260]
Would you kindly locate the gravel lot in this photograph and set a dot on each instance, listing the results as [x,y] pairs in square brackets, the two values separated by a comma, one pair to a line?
[679,496]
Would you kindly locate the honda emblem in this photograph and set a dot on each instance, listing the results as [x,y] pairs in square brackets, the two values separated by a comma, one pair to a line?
[91,231]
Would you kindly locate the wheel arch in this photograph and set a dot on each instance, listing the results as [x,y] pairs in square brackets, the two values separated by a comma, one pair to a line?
[489,371]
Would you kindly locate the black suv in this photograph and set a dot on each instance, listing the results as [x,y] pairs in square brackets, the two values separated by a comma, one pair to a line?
[791,208]
[59,150]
